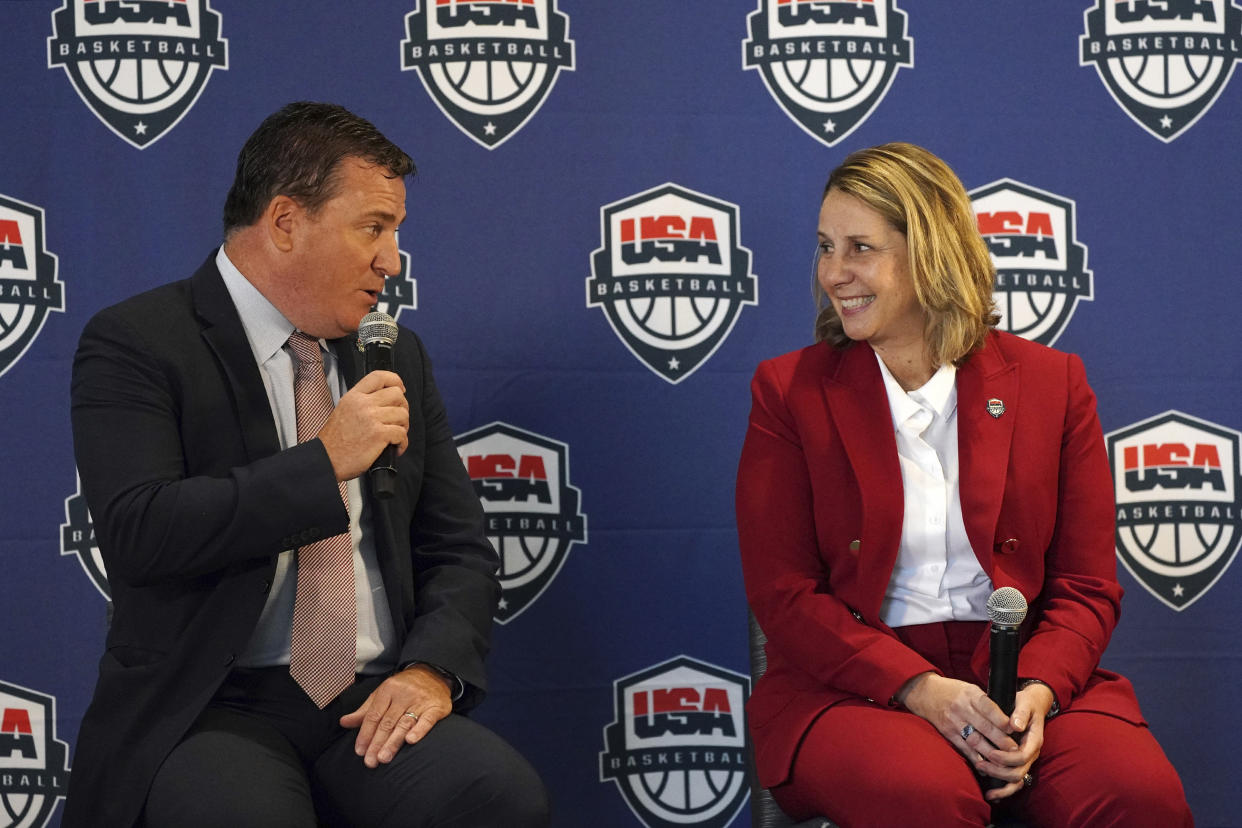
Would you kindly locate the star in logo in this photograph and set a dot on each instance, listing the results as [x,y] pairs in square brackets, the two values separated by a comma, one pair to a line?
[489,128]
[140,128]
[503,605]
[1166,122]
[830,125]
[1178,592]
[674,365]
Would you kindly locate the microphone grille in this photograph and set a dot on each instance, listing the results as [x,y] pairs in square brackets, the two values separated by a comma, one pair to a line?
[377,328]
[1006,607]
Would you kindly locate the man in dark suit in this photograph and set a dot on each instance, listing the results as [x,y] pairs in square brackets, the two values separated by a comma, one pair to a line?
[218,499]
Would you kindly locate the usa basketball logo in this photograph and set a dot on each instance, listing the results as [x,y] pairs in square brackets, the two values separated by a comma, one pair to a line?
[672,276]
[828,63]
[1165,62]
[400,290]
[29,288]
[138,64]
[77,537]
[1179,517]
[34,764]
[488,64]
[533,514]
[1041,269]
[677,748]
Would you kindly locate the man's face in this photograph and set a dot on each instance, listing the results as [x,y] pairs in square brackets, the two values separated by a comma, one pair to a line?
[346,249]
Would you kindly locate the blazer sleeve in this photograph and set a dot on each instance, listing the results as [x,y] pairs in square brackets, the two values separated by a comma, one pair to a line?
[157,522]
[1080,600]
[454,565]
[787,578]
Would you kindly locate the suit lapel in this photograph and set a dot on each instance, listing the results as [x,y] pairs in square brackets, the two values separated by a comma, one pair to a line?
[224,335]
[348,358]
[859,407]
[987,399]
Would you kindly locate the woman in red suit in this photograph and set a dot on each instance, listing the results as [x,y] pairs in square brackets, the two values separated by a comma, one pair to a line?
[894,474]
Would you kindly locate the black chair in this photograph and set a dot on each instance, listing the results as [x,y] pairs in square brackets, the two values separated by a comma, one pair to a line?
[764,812]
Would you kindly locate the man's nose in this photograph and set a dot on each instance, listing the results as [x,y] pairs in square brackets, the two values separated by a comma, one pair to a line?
[388,260]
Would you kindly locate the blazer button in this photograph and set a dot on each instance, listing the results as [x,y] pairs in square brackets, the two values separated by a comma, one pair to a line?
[229,659]
[855,545]
[1009,546]
[857,616]
[267,587]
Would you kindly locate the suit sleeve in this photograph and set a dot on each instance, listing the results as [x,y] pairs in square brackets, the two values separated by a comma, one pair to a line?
[787,578]
[454,565]
[156,523]
[1080,602]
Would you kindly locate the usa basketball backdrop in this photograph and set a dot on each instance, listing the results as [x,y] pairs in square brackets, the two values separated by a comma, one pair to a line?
[612,224]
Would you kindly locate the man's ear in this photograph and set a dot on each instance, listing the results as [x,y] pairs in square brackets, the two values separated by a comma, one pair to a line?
[280,220]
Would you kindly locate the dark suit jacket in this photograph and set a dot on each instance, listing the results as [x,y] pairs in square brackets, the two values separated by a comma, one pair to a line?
[192,501]
[820,510]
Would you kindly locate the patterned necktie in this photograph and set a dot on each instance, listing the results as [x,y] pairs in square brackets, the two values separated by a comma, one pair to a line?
[323,643]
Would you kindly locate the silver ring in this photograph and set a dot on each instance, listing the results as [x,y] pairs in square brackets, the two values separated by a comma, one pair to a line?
[1028,781]
[967,730]
[413,716]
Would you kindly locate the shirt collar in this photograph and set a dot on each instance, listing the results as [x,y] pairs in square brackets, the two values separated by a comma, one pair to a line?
[266,328]
[938,394]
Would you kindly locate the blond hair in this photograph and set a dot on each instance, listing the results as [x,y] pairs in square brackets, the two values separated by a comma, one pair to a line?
[919,195]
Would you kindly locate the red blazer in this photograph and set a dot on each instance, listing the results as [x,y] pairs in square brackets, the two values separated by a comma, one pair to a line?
[819,514]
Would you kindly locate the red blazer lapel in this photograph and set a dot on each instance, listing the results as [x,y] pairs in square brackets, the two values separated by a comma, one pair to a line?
[859,407]
[987,396]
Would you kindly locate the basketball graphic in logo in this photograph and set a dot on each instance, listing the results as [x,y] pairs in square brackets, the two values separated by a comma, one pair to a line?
[1165,62]
[1179,516]
[29,288]
[34,764]
[671,276]
[1041,272]
[828,63]
[488,64]
[677,748]
[138,64]
[533,514]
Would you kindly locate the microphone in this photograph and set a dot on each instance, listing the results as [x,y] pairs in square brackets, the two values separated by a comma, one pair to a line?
[376,334]
[1007,610]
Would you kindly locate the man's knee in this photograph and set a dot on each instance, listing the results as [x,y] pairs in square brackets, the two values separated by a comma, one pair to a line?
[508,793]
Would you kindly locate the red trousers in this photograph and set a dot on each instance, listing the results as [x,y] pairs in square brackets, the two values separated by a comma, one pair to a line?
[863,765]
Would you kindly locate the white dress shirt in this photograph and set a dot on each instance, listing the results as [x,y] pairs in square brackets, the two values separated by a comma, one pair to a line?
[936,576]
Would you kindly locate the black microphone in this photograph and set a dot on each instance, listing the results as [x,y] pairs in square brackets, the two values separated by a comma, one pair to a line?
[1007,610]
[376,334]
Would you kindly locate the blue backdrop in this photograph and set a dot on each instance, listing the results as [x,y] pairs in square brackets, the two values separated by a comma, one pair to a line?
[612,224]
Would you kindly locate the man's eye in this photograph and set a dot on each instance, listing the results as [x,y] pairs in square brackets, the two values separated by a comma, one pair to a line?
[861,247]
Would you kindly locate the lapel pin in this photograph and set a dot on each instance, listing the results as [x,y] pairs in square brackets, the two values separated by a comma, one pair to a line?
[996,407]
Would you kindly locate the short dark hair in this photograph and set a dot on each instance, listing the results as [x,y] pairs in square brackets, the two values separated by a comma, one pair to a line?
[296,152]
